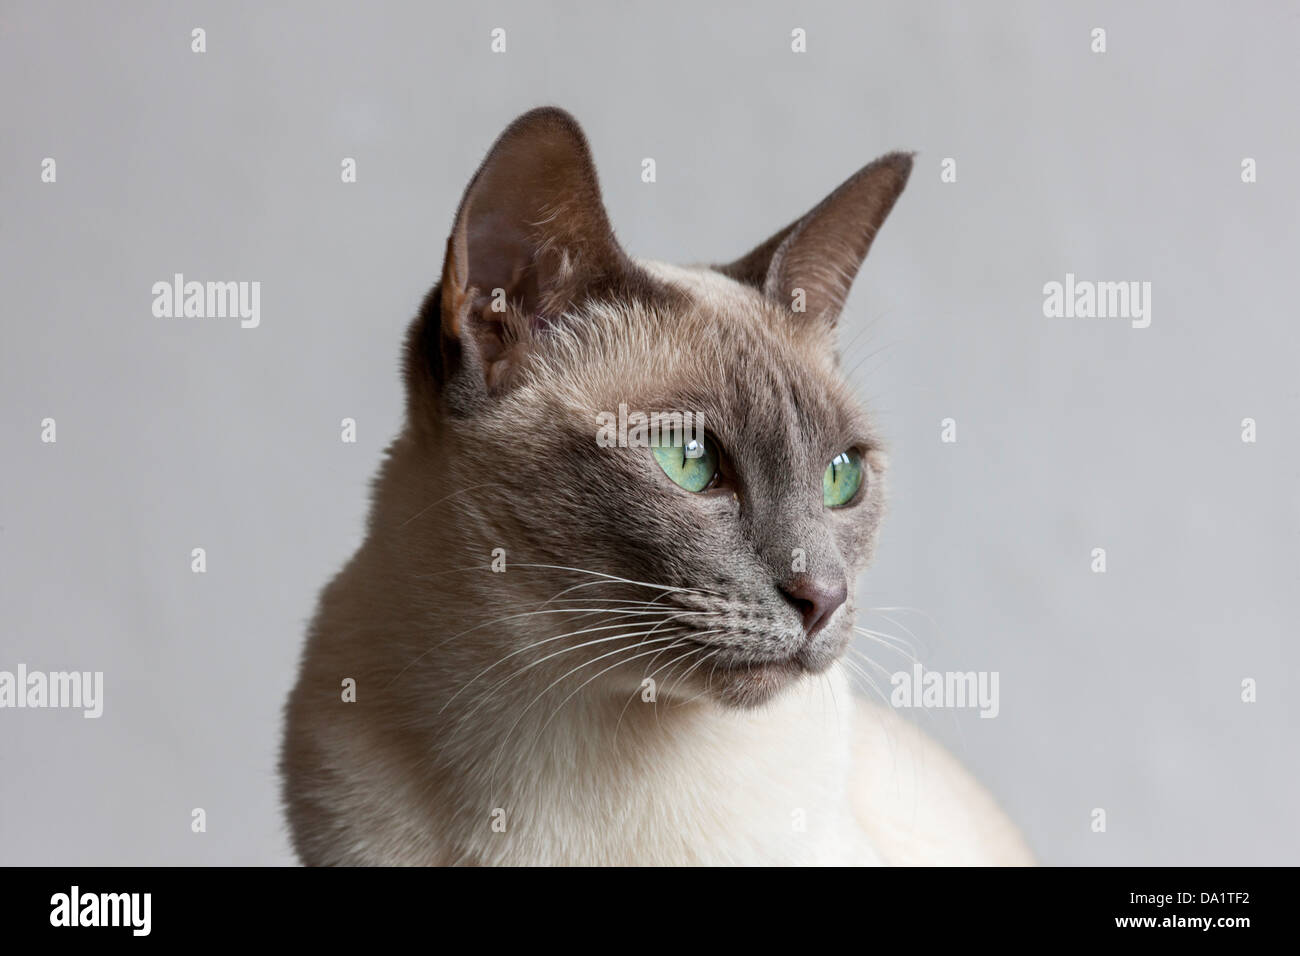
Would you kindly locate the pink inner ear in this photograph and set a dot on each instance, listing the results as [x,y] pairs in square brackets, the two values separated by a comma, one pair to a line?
[498,252]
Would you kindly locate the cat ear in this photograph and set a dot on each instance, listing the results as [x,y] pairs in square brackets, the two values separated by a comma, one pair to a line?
[530,239]
[820,254]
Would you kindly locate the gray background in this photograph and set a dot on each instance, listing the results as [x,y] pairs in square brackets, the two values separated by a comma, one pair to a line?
[1119,691]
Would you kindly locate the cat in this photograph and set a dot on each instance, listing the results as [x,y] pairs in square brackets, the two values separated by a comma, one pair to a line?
[552,651]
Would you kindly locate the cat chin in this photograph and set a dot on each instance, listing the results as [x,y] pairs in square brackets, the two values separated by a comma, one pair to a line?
[746,687]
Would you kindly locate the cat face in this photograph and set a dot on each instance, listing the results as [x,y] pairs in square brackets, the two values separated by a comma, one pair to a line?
[723,567]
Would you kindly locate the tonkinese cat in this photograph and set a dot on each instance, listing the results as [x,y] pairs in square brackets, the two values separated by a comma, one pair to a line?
[554,648]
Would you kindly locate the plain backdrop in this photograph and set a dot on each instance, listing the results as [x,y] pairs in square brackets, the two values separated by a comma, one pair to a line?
[1120,691]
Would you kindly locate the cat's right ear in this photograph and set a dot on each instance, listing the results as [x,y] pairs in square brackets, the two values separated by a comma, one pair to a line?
[531,239]
[809,265]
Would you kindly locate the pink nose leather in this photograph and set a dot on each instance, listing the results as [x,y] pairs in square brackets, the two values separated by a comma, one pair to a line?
[815,600]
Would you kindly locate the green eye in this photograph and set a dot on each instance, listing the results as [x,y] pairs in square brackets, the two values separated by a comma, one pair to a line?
[842,479]
[689,462]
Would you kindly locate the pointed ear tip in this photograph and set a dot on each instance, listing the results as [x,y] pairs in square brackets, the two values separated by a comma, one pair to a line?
[544,117]
[898,160]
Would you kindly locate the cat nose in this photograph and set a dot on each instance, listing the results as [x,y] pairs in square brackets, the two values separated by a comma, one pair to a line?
[815,600]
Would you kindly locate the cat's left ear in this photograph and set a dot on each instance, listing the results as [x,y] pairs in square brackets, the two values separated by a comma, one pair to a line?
[530,241]
[810,264]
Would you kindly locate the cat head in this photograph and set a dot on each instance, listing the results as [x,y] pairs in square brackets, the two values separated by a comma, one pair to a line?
[728,543]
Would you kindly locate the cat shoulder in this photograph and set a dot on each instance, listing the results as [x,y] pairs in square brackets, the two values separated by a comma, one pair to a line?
[919,805]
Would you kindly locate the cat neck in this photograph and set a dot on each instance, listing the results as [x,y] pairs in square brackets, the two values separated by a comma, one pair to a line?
[577,780]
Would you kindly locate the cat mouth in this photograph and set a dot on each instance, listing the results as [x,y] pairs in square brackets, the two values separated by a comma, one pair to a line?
[762,666]
[807,659]
[745,681]
[749,677]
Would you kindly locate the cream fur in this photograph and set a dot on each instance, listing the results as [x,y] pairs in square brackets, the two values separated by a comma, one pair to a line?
[817,777]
